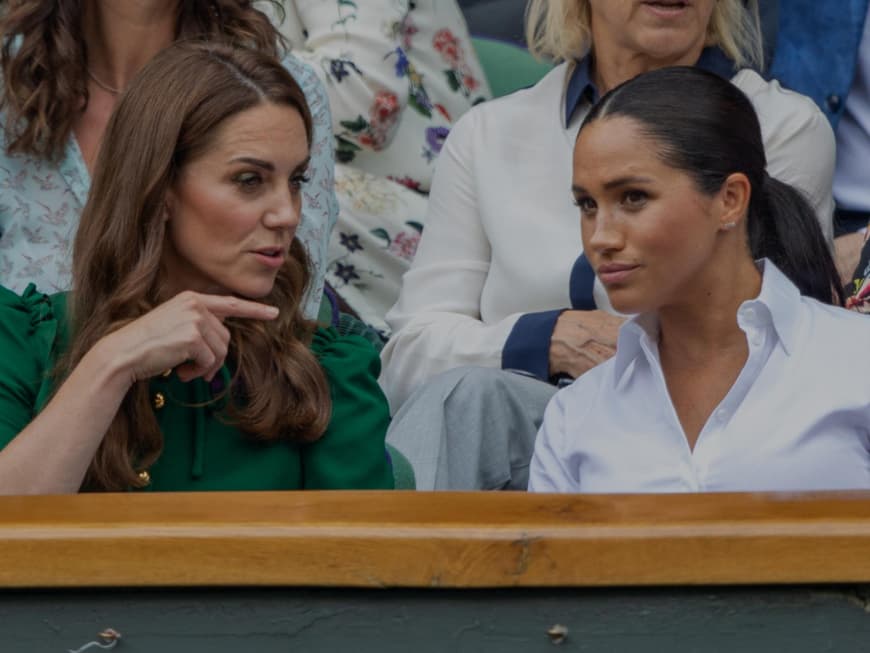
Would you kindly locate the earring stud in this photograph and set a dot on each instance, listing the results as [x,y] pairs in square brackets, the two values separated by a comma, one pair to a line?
[728,226]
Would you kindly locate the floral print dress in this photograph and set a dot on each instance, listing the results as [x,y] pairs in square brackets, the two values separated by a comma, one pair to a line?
[398,73]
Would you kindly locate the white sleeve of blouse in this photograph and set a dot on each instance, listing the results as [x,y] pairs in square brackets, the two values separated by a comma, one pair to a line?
[798,141]
[436,321]
[549,469]
[353,48]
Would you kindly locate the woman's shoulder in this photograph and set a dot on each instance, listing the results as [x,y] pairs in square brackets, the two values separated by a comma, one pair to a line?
[541,99]
[344,355]
[774,102]
[578,401]
[23,317]
[33,333]
[835,326]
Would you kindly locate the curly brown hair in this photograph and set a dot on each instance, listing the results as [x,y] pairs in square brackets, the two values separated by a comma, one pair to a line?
[168,117]
[43,59]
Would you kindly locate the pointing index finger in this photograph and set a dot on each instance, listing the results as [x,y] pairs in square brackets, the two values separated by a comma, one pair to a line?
[227,306]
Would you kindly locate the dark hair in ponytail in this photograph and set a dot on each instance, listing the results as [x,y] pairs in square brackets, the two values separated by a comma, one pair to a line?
[707,127]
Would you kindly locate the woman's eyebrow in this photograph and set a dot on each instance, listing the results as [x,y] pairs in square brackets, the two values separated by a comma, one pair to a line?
[267,165]
[254,162]
[626,181]
[614,183]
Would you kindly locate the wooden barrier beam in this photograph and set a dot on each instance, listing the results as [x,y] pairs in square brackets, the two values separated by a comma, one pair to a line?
[459,540]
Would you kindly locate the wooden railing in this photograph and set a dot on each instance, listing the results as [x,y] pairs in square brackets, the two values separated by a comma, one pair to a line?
[466,540]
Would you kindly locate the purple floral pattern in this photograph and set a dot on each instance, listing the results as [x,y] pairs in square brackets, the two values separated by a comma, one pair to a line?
[412,43]
[399,74]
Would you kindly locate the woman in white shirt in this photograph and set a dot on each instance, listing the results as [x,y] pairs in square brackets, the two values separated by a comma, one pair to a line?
[736,374]
[489,283]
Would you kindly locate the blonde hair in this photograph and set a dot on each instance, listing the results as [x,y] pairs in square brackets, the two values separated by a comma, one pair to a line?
[561,30]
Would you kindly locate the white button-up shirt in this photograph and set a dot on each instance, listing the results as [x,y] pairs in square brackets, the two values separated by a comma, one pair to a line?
[796,418]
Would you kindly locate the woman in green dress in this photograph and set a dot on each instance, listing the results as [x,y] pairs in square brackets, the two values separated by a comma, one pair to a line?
[181,360]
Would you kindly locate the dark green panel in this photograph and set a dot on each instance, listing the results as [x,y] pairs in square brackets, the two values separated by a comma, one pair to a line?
[793,620]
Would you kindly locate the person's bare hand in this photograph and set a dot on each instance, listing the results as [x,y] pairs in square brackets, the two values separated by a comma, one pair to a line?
[582,340]
[185,333]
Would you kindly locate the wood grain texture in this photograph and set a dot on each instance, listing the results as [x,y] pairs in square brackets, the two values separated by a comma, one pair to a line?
[398,539]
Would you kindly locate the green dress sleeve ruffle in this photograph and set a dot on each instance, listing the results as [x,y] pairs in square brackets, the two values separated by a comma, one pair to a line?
[30,327]
[351,454]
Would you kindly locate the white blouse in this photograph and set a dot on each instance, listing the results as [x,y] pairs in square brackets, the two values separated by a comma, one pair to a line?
[797,417]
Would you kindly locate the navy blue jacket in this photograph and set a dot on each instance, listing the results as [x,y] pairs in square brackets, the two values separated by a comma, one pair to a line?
[817,50]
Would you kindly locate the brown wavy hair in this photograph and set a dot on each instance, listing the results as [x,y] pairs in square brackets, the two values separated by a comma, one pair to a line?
[43,59]
[167,117]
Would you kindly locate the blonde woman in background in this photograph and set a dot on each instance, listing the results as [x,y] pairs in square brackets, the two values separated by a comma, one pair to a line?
[488,289]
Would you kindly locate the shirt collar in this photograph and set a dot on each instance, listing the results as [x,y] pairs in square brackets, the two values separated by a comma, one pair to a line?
[777,306]
[714,60]
[581,87]
[632,335]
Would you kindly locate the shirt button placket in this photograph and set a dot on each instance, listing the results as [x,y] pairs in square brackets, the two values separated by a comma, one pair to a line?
[701,470]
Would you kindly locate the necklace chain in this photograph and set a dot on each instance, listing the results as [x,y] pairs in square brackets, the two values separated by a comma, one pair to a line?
[103,85]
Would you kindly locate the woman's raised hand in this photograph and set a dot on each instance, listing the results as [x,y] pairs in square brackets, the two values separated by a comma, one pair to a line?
[185,333]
